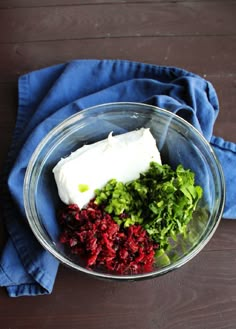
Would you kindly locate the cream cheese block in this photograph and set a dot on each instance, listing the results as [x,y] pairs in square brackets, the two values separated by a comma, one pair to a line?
[122,157]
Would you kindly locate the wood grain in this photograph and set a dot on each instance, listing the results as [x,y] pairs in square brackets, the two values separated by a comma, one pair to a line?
[48,3]
[116,20]
[199,36]
[19,58]
[224,237]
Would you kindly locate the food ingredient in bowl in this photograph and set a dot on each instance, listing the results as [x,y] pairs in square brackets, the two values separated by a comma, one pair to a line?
[122,157]
[102,244]
[161,199]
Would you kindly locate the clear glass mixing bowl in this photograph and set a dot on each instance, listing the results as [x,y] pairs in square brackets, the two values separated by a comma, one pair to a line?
[178,142]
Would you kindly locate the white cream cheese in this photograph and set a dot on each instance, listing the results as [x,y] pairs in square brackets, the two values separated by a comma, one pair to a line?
[122,157]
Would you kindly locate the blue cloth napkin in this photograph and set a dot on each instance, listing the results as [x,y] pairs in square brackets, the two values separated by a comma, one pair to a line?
[50,95]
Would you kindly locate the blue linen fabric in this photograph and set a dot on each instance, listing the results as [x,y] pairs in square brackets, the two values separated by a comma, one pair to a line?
[50,95]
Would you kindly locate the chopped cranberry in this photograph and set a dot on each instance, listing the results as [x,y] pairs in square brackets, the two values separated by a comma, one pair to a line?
[92,234]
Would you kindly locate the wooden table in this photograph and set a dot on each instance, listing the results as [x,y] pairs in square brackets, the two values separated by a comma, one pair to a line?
[199,36]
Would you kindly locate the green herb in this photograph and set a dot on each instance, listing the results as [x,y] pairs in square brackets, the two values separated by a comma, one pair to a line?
[120,202]
[161,199]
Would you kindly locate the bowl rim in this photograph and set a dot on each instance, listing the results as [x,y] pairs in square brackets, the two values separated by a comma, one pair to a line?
[73,119]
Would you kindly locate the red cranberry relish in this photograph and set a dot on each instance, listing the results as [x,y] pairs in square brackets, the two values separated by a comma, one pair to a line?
[92,234]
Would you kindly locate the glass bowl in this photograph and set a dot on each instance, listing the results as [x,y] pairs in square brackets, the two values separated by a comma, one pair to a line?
[178,142]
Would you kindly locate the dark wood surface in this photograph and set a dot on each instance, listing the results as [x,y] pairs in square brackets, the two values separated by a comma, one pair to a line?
[199,36]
